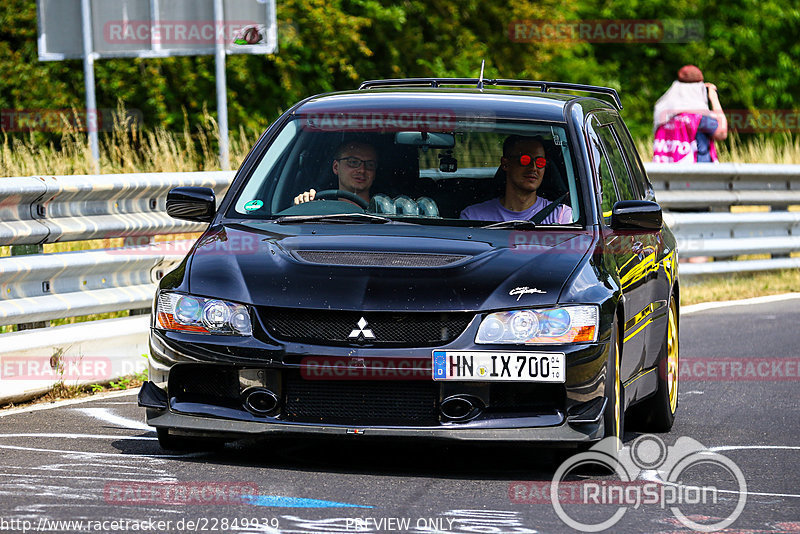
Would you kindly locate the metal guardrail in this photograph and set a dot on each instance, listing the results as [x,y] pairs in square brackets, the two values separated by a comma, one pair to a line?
[724,185]
[718,233]
[39,210]
[50,209]
[721,234]
[50,286]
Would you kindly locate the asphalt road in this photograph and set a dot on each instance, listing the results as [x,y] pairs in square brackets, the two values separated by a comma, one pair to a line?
[98,466]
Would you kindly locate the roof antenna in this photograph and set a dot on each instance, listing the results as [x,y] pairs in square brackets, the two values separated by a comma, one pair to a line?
[480,80]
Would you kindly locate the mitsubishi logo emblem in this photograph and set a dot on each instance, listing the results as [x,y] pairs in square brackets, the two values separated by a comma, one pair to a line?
[362,331]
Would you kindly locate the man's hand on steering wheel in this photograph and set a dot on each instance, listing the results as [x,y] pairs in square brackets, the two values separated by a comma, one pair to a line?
[311,194]
[308,196]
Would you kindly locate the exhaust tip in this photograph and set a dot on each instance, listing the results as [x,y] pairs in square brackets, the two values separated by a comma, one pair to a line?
[260,401]
[461,407]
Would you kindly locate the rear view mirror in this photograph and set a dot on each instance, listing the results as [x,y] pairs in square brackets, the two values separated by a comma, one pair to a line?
[636,215]
[425,139]
[192,203]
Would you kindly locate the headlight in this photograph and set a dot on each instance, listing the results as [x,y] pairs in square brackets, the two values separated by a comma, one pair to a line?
[185,313]
[571,324]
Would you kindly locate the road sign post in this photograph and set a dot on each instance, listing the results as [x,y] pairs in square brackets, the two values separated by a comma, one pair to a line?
[88,81]
[222,86]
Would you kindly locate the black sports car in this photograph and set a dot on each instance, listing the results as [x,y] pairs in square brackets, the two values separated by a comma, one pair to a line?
[441,258]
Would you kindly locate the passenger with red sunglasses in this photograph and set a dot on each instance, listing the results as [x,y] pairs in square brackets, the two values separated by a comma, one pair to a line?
[524,161]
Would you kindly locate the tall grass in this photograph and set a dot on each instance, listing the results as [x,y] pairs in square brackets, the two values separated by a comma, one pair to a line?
[126,148]
[129,148]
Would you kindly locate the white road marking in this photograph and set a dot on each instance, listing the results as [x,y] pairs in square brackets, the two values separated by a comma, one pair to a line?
[104,415]
[48,476]
[703,306]
[76,436]
[105,454]
[693,392]
[41,507]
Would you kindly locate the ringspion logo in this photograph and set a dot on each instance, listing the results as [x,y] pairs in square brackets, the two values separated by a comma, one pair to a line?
[704,490]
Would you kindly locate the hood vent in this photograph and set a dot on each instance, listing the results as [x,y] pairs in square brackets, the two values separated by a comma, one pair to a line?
[378,259]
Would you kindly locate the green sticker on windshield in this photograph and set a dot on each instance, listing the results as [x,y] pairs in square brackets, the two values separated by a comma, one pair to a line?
[253,205]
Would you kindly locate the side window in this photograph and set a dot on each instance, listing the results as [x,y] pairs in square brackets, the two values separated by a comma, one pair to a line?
[625,187]
[637,169]
[608,191]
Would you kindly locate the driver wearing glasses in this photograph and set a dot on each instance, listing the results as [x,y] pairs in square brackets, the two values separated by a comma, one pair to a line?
[524,164]
[354,164]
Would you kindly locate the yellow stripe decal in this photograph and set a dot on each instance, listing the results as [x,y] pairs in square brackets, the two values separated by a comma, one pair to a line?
[640,316]
[637,377]
[638,330]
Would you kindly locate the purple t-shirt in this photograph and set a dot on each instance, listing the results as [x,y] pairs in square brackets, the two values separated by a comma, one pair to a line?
[492,210]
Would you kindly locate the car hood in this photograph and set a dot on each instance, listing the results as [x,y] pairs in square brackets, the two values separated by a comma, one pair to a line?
[371,267]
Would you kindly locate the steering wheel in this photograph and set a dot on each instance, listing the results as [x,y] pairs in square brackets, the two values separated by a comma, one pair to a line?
[338,193]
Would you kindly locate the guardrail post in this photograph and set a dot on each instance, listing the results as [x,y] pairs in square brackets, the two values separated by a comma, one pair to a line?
[24,250]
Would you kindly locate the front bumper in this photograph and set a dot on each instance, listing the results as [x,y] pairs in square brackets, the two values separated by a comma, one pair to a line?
[192,425]
[182,372]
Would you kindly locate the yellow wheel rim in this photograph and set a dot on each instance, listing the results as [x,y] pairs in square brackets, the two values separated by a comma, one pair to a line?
[672,357]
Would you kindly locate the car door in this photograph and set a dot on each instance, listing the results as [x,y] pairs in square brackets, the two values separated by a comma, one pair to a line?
[662,271]
[630,254]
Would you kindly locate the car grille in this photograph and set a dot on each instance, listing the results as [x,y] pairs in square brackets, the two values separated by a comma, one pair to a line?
[335,327]
[203,383]
[406,403]
[377,259]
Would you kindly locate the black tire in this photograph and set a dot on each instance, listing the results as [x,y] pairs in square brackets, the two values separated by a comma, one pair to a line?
[172,442]
[657,412]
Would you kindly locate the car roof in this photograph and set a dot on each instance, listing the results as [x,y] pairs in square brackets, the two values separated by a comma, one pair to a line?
[458,101]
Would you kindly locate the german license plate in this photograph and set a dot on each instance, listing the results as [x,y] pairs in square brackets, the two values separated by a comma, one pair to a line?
[498,366]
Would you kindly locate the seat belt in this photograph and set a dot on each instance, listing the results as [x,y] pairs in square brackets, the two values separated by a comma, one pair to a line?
[542,215]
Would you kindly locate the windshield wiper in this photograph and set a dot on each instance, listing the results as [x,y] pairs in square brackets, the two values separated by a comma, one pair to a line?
[516,223]
[341,218]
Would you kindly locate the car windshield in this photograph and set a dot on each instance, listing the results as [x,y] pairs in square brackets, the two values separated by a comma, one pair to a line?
[446,171]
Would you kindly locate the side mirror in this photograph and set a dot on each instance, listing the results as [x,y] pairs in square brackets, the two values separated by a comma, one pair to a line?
[636,215]
[192,203]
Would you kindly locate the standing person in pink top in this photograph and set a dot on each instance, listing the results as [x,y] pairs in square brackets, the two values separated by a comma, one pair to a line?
[524,162]
[684,126]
